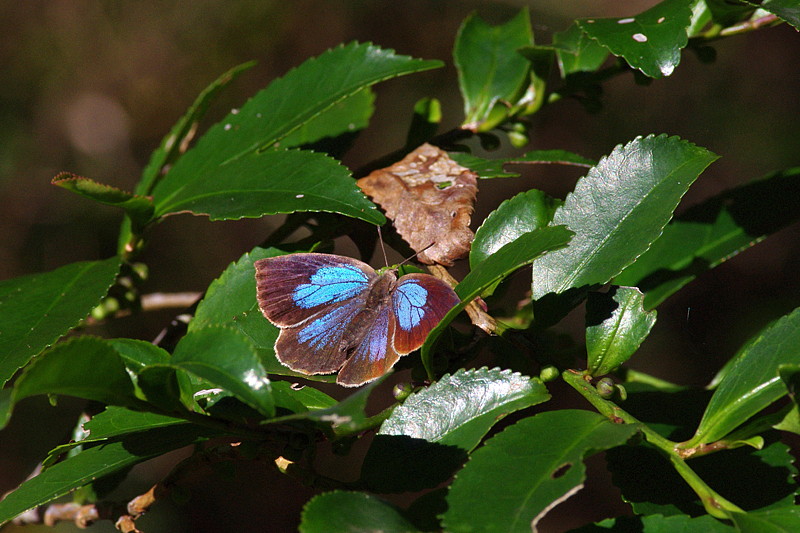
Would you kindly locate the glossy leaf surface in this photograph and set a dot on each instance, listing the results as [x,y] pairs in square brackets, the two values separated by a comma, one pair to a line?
[651,41]
[712,232]
[268,183]
[787,10]
[345,117]
[226,164]
[618,210]
[525,212]
[226,358]
[433,430]
[542,462]
[616,325]
[752,381]
[37,309]
[500,264]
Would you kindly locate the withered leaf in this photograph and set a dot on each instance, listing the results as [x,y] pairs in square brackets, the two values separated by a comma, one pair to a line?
[430,199]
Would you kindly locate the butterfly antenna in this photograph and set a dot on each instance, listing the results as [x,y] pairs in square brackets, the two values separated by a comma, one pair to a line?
[383,248]
[406,260]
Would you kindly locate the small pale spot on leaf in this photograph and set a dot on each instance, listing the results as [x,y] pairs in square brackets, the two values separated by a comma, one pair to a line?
[227,127]
[625,21]
[640,37]
[662,19]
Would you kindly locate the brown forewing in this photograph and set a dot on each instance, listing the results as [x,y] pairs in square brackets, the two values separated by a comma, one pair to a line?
[430,199]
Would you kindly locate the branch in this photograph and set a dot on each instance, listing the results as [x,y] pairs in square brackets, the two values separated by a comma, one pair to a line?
[714,504]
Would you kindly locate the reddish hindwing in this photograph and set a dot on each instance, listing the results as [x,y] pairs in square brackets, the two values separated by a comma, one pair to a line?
[421,315]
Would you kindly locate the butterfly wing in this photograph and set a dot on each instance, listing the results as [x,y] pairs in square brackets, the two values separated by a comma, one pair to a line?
[375,355]
[419,301]
[312,298]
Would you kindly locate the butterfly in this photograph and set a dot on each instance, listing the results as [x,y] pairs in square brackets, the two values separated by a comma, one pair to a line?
[336,313]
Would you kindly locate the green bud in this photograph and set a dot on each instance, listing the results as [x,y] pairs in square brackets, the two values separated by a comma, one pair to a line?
[549,373]
[605,387]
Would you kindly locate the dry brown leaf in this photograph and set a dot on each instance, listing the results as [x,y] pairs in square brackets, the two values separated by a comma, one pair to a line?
[430,198]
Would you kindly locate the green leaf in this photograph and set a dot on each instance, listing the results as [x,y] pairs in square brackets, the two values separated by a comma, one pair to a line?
[791,421]
[756,479]
[790,375]
[787,10]
[492,75]
[712,232]
[684,524]
[352,512]
[84,367]
[113,422]
[117,421]
[137,354]
[577,52]
[425,121]
[290,102]
[783,520]
[541,461]
[525,212]
[497,266]
[729,12]
[267,183]
[226,358]
[346,418]
[651,41]
[522,251]
[96,462]
[160,386]
[138,208]
[616,325]
[37,309]
[494,168]
[174,144]
[299,399]
[658,524]
[346,117]
[225,166]
[432,432]
[233,293]
[752,381]
[618,210]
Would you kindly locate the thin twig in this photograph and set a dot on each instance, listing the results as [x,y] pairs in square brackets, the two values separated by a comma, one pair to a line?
[169,300]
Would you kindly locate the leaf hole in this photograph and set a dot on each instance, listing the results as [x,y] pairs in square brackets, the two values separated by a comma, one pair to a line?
[561,470]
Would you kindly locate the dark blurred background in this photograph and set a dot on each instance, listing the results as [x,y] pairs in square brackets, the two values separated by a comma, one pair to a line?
[90,87]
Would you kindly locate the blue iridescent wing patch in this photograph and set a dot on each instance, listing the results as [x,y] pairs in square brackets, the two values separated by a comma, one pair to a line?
[374,356]
[312,298]
[293,288]
[338,314]
[419,301]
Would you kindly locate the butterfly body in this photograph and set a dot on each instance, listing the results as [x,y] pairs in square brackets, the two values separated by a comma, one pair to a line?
[338,314]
